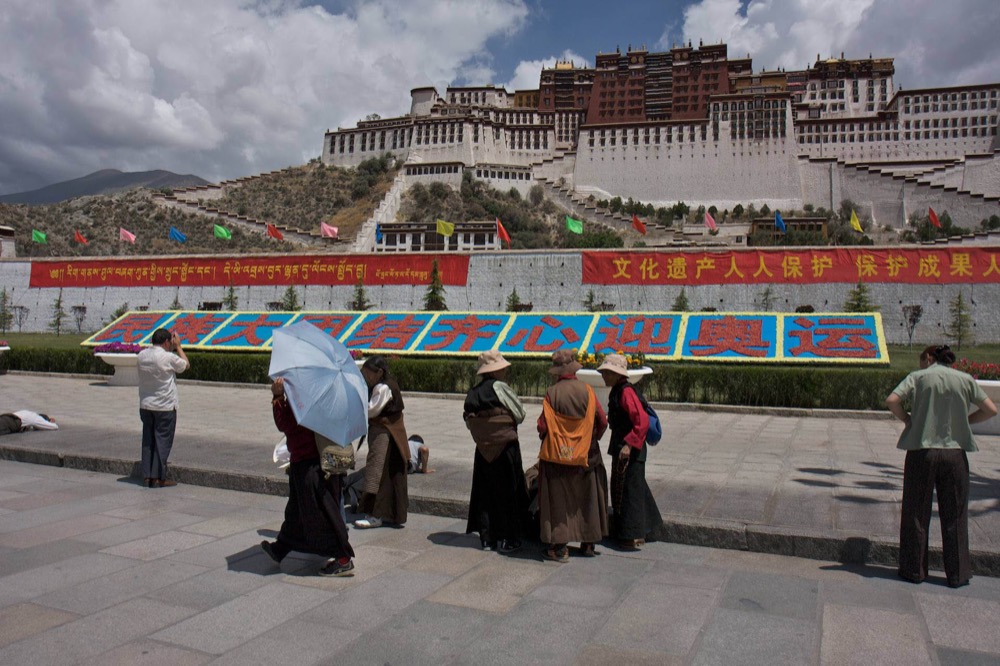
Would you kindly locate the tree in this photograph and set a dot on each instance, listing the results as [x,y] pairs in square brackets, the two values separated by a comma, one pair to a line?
[20,315]
[681,302]
[536,195]
[58,315]
[765,211]
[766,299]
[513,301]
[176,305]
[359,302]
[118,312]
[79,314]
[290,300]
[6,315]
[859,299]
[959,328]
[590,302]
[911,317]
[738,211]
[434,298]
[231,300]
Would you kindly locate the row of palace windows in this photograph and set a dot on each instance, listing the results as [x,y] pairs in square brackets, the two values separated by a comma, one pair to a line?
[951,106]
[371,140]
[954,122]
[503,175]
[449,133]
[431,170]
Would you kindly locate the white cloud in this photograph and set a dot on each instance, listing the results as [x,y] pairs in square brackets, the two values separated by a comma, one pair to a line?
[221,88]
[933,43]
[527,72]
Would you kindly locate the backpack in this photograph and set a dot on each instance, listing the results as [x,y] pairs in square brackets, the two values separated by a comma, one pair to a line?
[655,432]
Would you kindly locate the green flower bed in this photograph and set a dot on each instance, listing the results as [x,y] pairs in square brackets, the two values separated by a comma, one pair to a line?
[728,384]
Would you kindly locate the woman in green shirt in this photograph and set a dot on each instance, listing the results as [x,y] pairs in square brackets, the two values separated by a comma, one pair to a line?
[936,438]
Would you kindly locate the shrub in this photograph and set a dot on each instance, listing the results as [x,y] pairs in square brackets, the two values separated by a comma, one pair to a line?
[983,370]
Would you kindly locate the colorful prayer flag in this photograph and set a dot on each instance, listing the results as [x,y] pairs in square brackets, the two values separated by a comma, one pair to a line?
[502,234]
[78,237]
[273,232]
[638,225]
[328,231]
[574,225]
[445,228]
[378,232]
[127,236]
[38,237]
[176,235]
[855,224]
[779,222]
[710,222]
[933,217]
[222,232]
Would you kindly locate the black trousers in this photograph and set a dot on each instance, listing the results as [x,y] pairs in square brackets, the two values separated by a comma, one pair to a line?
[947,471]
[157,441]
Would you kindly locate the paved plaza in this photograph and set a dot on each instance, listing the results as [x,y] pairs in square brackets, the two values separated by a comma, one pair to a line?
[95,569]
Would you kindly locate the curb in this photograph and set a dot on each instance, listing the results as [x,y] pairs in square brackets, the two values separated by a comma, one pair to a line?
[809,544]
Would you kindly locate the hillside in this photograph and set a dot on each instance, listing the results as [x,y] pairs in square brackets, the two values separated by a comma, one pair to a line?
[106,181]
[99,218]
[307,195]
[532,223]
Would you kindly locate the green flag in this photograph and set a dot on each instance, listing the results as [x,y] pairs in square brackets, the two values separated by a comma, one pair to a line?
[576,226]
[38,237]
[222,232]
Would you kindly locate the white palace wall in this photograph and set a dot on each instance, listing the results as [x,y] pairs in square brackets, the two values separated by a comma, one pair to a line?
[550,280]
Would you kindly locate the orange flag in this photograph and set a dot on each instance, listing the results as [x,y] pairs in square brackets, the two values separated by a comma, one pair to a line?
[273,232]
[638,225]
[78,237]
[502,234]
[933,217]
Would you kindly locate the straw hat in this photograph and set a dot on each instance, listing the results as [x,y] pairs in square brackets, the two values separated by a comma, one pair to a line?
[491,361]
[564,363]
[615,363]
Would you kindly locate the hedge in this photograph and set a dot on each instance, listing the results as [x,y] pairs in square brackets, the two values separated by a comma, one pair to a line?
[728,384]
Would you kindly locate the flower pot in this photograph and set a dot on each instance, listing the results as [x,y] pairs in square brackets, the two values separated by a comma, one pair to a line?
[992,426]
[593,378]
[126,368]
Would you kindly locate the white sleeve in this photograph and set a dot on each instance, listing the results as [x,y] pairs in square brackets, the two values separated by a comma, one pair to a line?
[381,396]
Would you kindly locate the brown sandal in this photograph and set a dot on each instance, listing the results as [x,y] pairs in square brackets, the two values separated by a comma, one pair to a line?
[561,556]
[587,550]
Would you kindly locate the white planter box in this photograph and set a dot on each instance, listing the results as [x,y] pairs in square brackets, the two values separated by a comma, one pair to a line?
[126,368]
[593,378]
[992,426]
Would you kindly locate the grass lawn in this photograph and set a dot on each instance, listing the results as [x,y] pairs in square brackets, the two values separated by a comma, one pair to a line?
[907,359]
[51,340]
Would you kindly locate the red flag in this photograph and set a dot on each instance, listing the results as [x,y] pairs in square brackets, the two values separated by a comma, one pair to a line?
[934,218]
[125,235]
[710,221]
[273,232]
[78,237]
[638,225]
[502,234]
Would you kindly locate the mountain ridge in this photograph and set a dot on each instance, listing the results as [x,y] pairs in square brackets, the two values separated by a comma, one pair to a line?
[104,181]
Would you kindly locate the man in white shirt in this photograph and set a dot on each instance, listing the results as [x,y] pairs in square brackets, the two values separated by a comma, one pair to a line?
[158,403]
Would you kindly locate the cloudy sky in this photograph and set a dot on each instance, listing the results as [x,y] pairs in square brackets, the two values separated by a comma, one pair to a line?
[228,88]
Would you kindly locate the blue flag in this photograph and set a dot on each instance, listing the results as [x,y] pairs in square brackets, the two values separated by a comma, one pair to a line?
[176,235]
[378,233]
[778,222]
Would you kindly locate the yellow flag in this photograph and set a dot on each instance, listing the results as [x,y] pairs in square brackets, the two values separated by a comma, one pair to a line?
[855,224]
[445,228]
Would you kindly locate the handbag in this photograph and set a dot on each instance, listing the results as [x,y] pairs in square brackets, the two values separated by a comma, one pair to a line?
[334,458]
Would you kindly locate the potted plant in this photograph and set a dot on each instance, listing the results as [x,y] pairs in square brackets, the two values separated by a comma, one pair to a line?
[124,358]
[637,369]
[987,375]
[4,346]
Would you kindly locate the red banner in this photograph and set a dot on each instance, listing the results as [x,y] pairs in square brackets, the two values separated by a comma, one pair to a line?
[208,272]
[955,265]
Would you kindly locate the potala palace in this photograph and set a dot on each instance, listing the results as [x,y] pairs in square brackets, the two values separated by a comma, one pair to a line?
[691,124]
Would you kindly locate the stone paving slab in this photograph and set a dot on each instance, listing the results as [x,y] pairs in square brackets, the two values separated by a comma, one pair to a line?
[784,481]
[426,595]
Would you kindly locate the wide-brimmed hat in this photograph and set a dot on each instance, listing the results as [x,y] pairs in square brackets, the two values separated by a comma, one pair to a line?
[564,363]
[615,363]
[491,361]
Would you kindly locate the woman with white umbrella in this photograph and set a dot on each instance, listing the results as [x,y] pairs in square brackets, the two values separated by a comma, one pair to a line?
[384,498]
[313,521]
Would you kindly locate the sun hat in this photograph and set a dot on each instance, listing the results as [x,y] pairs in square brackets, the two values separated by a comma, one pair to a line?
[615,363]
[564,363]
[491,361]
